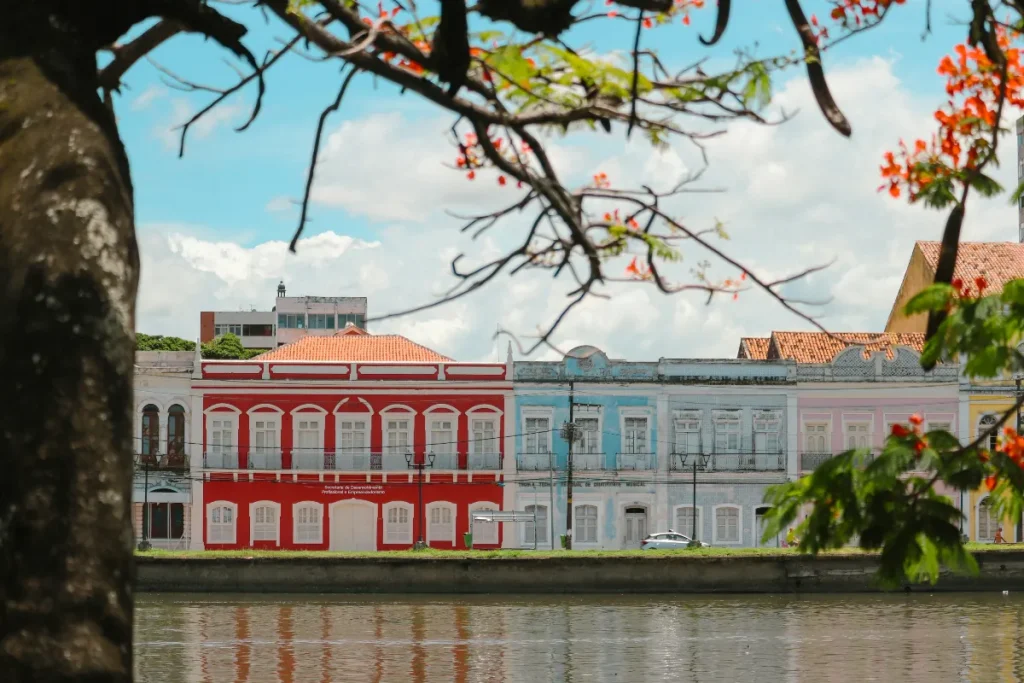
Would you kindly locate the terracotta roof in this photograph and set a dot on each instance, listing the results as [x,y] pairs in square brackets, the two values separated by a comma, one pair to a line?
[755,348]
[997,262]
[818,347]
[346,346]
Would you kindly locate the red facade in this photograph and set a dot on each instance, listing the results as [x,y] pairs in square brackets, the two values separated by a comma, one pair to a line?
[261,489]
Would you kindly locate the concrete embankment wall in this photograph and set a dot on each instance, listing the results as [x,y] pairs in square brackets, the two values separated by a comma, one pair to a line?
[664,574]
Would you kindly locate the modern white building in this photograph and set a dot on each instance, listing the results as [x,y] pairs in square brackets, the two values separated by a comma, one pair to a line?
[291,318]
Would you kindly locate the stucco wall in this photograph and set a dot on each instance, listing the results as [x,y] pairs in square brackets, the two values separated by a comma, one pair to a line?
[917,276]
[580,574]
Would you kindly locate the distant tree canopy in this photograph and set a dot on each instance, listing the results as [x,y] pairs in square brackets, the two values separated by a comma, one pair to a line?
[225,347]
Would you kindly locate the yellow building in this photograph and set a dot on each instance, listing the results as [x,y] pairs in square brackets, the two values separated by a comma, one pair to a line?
[981,400]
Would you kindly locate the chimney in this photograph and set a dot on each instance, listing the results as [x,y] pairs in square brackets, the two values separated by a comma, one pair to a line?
[280,289]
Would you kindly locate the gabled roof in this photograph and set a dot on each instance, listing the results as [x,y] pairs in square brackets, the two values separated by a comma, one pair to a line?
[354,344]
[997,262]
[819,347]
[754,348]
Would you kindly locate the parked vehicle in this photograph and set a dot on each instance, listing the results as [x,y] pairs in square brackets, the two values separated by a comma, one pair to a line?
[670,540]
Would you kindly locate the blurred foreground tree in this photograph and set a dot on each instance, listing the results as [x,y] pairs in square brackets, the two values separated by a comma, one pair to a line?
[502,69]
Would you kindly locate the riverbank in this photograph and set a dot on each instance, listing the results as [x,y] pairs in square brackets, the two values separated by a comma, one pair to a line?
[711,570]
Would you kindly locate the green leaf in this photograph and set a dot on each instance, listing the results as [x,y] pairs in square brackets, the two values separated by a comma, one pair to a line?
[931,298]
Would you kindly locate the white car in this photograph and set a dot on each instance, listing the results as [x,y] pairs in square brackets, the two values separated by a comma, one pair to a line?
[670,540]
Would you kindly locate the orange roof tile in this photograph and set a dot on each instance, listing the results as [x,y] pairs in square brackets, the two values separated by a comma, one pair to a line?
[755,348]
[997,262]
[346,346]
[818,347]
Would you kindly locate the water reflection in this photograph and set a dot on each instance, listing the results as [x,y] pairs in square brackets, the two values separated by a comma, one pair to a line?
[817,639]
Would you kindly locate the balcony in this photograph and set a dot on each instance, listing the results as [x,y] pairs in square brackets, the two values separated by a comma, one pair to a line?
[172,462]
[444,461]
[811,461]
[308,460]
[220,461]
[533,462]
[729,462]
[635,461]
[588,461]
[264,460]
[483,461]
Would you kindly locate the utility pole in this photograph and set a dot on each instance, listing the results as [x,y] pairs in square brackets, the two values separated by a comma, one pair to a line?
[693,537]
[568,494]
[145,544]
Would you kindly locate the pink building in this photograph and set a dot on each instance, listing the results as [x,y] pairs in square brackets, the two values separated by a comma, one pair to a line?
[853,387]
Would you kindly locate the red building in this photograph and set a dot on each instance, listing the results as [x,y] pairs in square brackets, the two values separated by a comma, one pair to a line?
[329,443]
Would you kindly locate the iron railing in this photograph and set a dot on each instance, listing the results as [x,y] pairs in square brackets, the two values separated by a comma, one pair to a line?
[635,461]
[175,462]
[220,461]
[729,462]
[483,461]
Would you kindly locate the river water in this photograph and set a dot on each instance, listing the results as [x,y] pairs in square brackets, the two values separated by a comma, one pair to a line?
[319,639]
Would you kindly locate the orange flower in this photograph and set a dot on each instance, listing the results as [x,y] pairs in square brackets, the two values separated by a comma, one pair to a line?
[981,283]
[990,482]
[648,23]
[899,430]
[916,419]
[471,175]
[501,180]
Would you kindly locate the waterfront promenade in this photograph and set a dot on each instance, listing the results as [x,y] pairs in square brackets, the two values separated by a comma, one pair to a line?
[520,572]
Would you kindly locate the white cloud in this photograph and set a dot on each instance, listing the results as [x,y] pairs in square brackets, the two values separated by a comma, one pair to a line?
[280,204]
[169,130]
[797,195]
[148,97]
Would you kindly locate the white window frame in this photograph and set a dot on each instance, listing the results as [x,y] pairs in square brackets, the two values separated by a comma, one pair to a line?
[210,507]
[339,431]
[858,419]
[635,413]
[939,421]
[451,445]
[979,428]
[406,539]
[398,413]
[441,505]
[827,433]
[739,524]
[577,538]
[305,413]
[688,531]
[215,413]
[277,521]
[770,416]
[680,416]
[495,422]
[308,505]
[480,506]
[721,417]
[546,526]
[591,413]
[258,414]
[541,414]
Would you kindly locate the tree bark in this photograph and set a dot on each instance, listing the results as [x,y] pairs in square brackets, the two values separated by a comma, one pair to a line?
[68,277]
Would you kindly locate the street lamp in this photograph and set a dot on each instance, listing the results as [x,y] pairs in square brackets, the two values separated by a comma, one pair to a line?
[416,462]
[703,459]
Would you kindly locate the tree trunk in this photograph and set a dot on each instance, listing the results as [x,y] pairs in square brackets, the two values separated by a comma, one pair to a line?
[68,276]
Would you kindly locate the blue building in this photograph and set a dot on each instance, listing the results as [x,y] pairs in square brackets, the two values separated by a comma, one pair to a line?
[648,429]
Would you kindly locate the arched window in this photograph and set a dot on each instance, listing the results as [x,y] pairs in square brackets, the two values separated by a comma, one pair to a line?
[484,533]
[176,436]
[586,524]
[441,522]
[150,445]
[727,524]
[398,523]
[987,522]
[308,522]
[685,522]
[986,423]
[220,522]
[266,520]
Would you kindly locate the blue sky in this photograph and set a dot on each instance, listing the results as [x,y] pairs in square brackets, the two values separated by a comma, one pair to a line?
[211,222]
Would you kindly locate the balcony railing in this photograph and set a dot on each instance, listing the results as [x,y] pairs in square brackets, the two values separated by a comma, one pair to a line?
[635,461]
[264,460]
[729,462]
[445,461]
[161,461]
[220,461]
[483,461]
[535,461]
[811,461]
[588,461]
[308,460]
